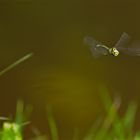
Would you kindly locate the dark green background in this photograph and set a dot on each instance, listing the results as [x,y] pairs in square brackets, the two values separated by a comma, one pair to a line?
[62,71]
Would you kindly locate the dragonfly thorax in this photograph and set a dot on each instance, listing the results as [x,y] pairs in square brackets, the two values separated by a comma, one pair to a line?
[113,51]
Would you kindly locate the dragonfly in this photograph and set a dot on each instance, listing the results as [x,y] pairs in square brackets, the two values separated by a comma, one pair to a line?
[124,45]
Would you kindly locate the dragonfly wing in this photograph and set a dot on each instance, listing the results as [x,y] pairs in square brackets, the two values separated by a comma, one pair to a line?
[95,52]
[99,51]
[127,46]
[97,48]
[90,41]
[133,49]
[123,41]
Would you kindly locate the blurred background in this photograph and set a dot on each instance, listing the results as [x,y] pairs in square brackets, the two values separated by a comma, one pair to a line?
[63,73]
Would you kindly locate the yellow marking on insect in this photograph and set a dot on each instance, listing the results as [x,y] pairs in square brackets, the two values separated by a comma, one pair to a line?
[113,51]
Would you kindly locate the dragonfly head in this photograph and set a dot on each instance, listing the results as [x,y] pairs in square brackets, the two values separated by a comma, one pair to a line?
[114,51]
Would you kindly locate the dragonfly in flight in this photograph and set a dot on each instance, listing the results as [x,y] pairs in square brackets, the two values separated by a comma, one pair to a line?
[124,45]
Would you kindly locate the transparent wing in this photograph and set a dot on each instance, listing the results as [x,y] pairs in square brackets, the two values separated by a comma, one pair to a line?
[97,48]
[95,52]
[123,41]
[133,49]
[126,46]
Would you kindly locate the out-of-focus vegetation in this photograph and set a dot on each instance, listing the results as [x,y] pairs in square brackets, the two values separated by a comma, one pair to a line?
[111,127]
[114,126]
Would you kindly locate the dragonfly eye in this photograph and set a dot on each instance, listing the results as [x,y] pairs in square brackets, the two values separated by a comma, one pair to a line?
[115,52]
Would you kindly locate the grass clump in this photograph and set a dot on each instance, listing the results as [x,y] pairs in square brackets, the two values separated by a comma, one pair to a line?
[114,127]
[111,127]
[12,129]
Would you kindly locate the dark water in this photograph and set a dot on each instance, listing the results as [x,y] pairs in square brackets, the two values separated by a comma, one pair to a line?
[63,72]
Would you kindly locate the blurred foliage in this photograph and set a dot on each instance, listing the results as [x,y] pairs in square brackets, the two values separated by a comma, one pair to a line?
[111,127]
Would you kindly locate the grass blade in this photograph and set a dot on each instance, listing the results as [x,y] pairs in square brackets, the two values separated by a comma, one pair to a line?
[52,125]
[15,63]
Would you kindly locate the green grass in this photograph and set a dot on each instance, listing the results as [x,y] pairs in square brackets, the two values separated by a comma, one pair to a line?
[114,127]
[16,63]
[111,127]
